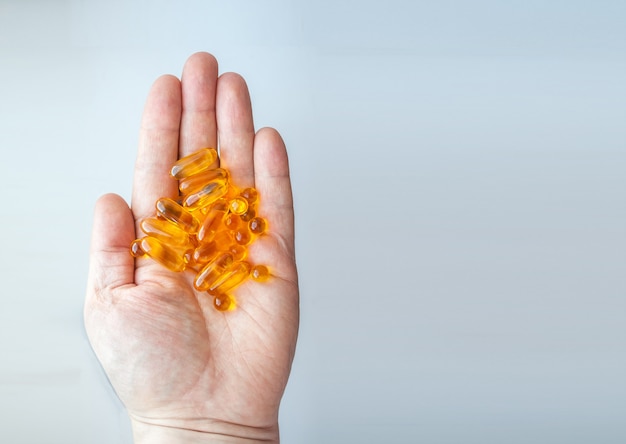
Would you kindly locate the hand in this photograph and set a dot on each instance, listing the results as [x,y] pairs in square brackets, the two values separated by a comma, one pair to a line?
[185,371]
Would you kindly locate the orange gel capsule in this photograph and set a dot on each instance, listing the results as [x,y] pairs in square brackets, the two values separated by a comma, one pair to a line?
[197,181]
[238,205]
[239,252]
[212,271]
[163,253]
[194,163]
[206,195]
[260,273]
[248,214]
[170,210]
[242,236]
[135,248]
[232,221]
[221,204]
[257,225]
[211,224]
[250,194]
[205,252]
[165,231]
[232,276]
[223,302]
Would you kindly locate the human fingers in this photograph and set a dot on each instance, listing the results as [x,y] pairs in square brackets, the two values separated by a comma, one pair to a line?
[235,128]
[158,146]
[198,126]
[110,262]
[271,177]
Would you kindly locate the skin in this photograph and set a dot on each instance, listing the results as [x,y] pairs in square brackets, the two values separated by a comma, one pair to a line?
[185,371]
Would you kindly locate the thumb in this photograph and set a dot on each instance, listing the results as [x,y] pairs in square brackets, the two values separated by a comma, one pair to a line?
[110,262]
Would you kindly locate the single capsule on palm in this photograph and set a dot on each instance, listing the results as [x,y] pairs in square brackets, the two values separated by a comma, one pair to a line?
[164,254]
[242,235]
[194,183]
[257,225]
[194,163]
[206,195]
[205,252]
[223,302]
[232,221]
[260,273]
[249,214]
[178,215]
[238,205]
[165,231]
[212,222]
[250,194]
[211,271]
[232,276]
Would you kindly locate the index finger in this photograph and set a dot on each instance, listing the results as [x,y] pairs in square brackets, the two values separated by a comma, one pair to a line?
[158,147]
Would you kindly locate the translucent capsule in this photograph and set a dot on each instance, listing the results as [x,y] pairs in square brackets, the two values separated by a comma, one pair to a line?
[223,302]
[165,231]
[197,181]
[135,248]
[249,214]
[232,221]
[170,210]
[164,254]
[211,224]
[250,194]
[242,236]
[206,195]
[220,204]
[230,278]
[260,273]
[238,205]
[257,225]
[194,163]
[205,252]
[212,271]
[239,252]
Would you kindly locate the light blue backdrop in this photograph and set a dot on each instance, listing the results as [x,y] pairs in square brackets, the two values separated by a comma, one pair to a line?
[459,172]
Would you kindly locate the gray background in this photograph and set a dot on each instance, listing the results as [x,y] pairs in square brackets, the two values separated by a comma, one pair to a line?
[459,171]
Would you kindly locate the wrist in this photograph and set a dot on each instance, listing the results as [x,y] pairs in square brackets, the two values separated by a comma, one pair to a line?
[210,432]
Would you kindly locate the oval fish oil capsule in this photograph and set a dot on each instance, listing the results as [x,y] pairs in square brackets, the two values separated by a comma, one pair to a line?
[170,210]
[211,224]
[135,249]
[239,252]
[260,273]
[242,236]
[165,231]
[223,302]
[249,214]
[197,181]
[212,271]
[250,194]
[194,163]
[232,221]
[206,195]
[205,252]
[163,253]
[230,278]
[238,205]
[257,225]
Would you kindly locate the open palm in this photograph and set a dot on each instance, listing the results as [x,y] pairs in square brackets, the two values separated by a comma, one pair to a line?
[176,363]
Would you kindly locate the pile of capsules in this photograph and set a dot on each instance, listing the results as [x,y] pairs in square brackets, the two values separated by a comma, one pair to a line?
[208,229]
